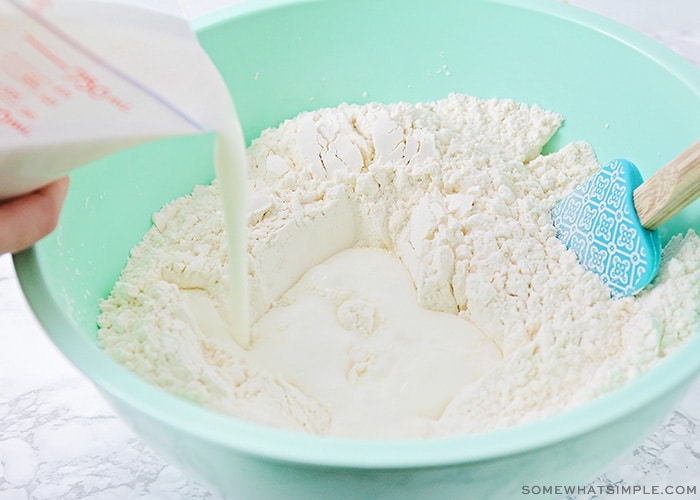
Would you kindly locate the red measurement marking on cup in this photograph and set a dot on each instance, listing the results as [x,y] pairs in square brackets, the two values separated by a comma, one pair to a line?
[13,111]
[12,98]
[7,118]
[9,95]
[61,91]
[85,82]
[28,87]
[26,113]
[82,80]
[46,52]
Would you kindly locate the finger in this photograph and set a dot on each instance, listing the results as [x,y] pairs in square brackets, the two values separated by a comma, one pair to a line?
[27,219]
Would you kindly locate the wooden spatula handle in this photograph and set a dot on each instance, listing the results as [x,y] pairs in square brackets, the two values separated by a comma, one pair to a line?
[670,189]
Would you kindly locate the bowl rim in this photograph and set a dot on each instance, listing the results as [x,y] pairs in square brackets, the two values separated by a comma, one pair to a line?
[119,384]
[259,440]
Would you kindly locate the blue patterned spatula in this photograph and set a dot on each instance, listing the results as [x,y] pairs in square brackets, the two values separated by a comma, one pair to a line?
[610,221]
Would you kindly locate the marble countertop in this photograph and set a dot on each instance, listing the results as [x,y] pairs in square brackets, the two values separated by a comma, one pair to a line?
[60,440]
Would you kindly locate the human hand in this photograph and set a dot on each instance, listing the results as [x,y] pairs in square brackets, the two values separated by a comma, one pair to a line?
[28,218]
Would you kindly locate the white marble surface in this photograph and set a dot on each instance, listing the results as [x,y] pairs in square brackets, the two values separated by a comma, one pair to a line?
[59,440]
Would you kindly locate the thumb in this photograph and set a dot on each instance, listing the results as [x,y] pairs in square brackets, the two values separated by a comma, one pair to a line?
[28,218]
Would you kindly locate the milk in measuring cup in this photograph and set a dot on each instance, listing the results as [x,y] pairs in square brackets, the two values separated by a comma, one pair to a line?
[83,79]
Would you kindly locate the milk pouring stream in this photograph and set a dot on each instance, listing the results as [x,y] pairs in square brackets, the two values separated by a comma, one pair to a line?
[83,79]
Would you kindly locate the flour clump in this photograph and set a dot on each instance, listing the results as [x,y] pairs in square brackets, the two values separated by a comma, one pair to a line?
[405,280]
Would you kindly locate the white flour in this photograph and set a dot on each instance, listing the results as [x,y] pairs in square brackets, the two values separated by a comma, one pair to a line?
[488,321]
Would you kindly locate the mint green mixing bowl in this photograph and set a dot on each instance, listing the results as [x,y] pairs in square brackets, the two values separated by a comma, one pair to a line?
[627,95]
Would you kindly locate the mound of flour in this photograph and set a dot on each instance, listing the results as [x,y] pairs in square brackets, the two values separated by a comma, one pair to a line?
[405,280]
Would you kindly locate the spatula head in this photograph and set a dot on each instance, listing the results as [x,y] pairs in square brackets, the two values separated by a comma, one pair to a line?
[599,223]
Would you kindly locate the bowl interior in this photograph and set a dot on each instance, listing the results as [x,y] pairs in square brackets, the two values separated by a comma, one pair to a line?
[623,93]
